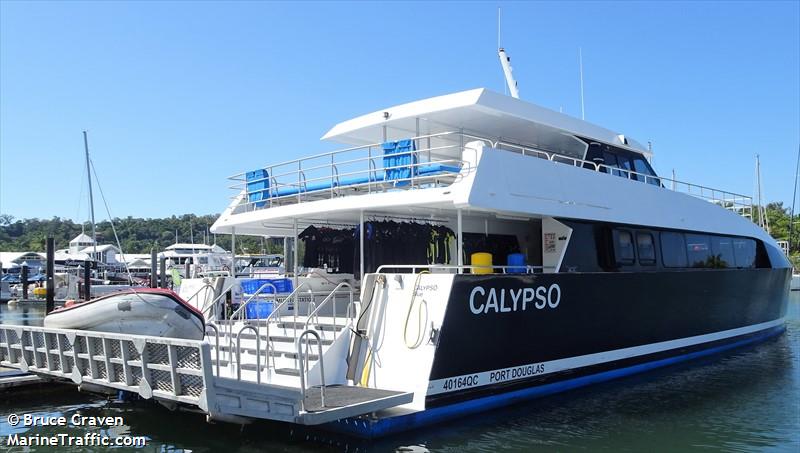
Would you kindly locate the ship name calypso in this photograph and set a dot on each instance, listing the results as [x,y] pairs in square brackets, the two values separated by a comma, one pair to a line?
[502,300]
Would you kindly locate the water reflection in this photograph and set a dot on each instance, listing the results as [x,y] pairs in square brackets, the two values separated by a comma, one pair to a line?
[746,400]
[25,313]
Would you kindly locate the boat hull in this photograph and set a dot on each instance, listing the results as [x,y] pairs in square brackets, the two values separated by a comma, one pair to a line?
[496,349]
[159,313]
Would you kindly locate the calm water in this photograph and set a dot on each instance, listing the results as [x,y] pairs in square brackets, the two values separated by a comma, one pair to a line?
[747,400]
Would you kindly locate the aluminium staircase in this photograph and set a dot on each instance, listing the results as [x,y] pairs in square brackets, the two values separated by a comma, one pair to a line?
[272,378]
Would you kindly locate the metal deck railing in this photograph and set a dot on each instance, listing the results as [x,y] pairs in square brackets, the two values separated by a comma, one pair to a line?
[435,161]
[741,204]
[153,367]
[361,170]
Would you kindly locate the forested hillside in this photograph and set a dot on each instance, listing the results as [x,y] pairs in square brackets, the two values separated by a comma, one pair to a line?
[135,235]
[140,235]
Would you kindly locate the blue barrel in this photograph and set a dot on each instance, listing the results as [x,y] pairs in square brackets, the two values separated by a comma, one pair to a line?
[258,309]
[516,263]
[250,286]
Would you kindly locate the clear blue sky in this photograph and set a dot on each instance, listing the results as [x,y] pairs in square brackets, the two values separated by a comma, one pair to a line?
[177,96]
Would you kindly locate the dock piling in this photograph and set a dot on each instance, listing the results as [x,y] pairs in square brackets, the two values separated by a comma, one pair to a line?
[23,277]
[87,280]
[153,268]
[163,264]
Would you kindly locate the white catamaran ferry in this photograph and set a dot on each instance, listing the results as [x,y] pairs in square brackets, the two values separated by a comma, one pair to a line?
[507,251]
[481,251]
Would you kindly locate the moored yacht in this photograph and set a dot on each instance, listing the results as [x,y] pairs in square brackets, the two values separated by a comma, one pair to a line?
[503,251]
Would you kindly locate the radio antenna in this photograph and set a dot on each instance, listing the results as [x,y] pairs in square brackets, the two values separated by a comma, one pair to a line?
[505,62]
[580,64]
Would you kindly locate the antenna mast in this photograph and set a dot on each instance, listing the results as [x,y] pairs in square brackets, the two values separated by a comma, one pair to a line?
[505,62]
[580,64]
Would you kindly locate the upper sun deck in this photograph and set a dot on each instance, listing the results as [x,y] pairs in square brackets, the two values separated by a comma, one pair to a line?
[430,144]
[483,113]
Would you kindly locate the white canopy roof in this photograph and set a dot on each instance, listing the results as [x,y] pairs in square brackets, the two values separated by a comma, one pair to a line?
[189,246]
[82,238]
[481,112]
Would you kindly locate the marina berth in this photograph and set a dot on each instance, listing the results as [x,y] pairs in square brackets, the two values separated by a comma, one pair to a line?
[477,250]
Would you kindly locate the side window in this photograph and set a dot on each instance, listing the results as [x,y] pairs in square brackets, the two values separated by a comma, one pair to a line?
[744,252]
[623,247]
[698,249]
[722,251]
[646,248]
[673,250]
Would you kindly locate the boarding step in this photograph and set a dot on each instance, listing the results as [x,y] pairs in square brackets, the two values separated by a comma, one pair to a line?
[252,351]
[328,327]
[288,371]
[343,401]
[278,402]
[249,335]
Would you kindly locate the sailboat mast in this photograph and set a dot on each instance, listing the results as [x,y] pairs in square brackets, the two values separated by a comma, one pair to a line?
[794,196]
[762,210]
[91,198]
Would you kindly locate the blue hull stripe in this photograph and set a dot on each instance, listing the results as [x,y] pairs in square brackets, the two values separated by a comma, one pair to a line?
[383,427]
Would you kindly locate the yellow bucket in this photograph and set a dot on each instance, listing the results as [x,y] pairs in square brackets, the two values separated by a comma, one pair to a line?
[39,292]
[482,259]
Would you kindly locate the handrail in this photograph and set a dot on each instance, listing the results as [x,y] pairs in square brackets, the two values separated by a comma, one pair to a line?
[253,296]
[302,367]
[414,267]
[615,171]
[277,308]
[330,296]
[206,285]
[353,148]
[258,354]
[274,183]
[216,334]
[237,314]
[213,304]
[726,199]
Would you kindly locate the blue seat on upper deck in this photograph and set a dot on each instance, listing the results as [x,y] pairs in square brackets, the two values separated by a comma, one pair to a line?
[257,182]
[400,161]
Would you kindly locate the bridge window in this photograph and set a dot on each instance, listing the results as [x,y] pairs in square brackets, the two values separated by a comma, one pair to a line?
[643,167]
